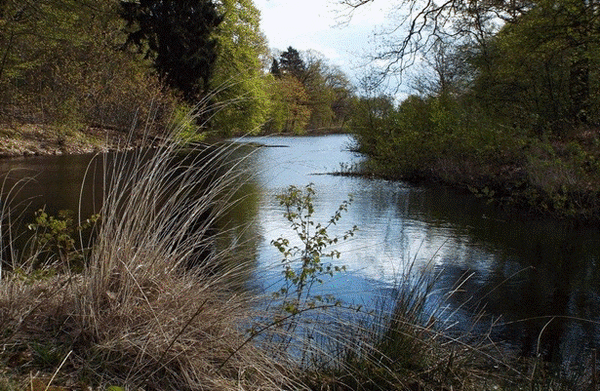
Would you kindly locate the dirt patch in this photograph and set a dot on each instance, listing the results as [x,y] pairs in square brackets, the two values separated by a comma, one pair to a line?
[28,140]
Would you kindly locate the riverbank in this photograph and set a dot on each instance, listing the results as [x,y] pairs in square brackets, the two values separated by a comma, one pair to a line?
[557,177]
[542,167]
[536,188]
[40,140]
[44,140]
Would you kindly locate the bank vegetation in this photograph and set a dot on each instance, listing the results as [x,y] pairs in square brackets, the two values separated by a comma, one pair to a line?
[507,104]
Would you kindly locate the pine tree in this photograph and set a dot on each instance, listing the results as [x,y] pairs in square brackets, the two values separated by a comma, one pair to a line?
[275,71]
[290,62]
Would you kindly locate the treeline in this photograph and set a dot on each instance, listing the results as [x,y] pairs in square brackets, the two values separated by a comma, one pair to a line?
[512,114]
[307,94]
[116,64]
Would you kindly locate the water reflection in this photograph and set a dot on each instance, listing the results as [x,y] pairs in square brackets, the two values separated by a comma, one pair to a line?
[81,182]
[521,271]
[56,182]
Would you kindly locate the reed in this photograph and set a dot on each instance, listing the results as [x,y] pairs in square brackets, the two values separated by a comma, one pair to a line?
[156,306]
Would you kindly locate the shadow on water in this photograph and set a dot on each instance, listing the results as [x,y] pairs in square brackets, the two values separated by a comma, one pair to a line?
[79,183]
[537,279]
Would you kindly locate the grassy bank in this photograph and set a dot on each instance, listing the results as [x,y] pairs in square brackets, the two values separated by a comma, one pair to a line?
[153,305]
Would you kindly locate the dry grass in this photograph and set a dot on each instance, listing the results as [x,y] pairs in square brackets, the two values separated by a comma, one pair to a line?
[405,346]
[156,307]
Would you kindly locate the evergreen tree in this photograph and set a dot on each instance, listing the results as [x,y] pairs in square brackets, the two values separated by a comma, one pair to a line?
[178,36]
[290,62]
[275,71]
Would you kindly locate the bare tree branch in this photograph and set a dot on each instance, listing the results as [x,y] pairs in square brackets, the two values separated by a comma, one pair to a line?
[421,24]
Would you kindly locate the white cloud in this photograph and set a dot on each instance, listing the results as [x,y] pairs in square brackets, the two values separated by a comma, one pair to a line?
[318,25]
[289,20]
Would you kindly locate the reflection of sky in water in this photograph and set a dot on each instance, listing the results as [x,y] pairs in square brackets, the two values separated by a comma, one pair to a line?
[510,268]
[388,239]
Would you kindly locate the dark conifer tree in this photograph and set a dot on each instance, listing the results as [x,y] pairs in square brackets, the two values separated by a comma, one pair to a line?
[275,71]
[291,62]
[178,36]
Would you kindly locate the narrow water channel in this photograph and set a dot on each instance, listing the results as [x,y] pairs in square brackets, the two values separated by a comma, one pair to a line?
[525,274]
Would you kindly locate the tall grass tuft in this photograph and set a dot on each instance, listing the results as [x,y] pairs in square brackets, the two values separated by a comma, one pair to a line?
[156,306]
[406,344]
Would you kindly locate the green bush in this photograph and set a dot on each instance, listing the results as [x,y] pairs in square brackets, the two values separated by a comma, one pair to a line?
[310,254]
[58,238]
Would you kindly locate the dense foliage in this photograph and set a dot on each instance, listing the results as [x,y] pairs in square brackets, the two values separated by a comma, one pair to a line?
[118,64]
[60,65]
[178,36]
[512,114]
[239,81]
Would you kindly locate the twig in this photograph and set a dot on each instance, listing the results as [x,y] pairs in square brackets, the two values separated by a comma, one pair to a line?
[58,369]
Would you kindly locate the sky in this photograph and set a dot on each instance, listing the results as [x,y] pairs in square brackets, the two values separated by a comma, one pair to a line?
[323,25]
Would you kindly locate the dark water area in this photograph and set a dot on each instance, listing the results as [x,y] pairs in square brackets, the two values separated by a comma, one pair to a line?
[524,274]
[54,182]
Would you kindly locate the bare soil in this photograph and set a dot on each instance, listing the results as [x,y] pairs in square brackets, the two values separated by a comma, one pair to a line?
[32,139]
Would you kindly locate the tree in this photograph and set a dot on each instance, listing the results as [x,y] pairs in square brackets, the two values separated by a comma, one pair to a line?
[325,89]
[59,65]
[422,24]
[535,61]
[343,92]
[290,107]
[178,35]
[238,81]
[275,71]
[445,70]
[542,70]
[291,63]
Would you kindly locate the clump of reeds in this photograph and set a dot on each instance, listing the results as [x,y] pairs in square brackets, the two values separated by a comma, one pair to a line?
[156,305]
[403,345]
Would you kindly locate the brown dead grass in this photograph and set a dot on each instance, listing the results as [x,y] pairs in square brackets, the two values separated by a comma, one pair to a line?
[138,317]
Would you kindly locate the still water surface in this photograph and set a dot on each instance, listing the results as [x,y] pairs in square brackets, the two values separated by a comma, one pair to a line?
[524,273]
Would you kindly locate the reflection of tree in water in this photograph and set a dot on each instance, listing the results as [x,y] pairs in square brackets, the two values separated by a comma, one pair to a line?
[221,235]
[526,271]
[538,306]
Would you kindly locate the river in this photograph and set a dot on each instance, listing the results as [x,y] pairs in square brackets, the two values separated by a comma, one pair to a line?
[524,274]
